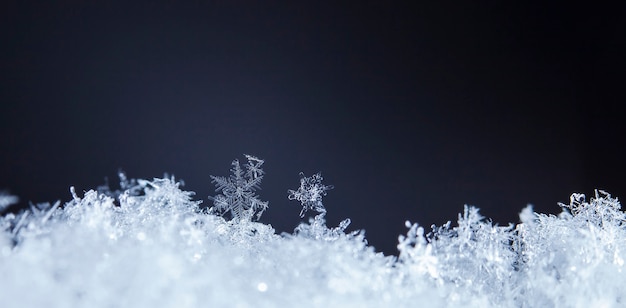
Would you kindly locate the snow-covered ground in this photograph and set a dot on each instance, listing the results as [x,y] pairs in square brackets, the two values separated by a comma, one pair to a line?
[149,244]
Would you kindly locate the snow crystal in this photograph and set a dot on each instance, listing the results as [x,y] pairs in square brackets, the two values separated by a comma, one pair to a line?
[6,200]
[310,193]
[149,244]
[238,191]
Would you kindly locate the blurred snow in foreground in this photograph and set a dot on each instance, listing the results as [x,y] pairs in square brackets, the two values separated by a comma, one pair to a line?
[150,245]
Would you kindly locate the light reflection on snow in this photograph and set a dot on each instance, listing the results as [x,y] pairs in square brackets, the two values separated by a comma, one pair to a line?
[92,253]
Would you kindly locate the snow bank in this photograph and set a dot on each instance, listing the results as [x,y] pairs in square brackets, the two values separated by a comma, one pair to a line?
[151,245]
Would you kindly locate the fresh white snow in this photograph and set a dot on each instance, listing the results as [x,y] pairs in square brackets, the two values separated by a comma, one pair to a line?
[151,245]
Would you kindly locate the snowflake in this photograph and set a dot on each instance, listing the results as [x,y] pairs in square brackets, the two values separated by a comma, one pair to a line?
[238,191]
[310,193]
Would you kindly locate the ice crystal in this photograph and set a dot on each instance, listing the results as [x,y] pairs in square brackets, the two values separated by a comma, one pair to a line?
[7,200]
[238,191]
[129,186]
[579,252]
[317,229]
[310,193]
[151,245]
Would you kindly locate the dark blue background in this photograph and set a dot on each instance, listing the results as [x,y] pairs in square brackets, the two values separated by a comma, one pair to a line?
[409,110]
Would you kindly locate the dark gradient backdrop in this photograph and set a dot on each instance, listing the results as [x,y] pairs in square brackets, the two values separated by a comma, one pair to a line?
[410,111]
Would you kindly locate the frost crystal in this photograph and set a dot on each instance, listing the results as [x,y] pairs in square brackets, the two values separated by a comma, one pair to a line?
[129,186]
[238,191]
[310,193]
[150,245]
[7,200]
[310,196]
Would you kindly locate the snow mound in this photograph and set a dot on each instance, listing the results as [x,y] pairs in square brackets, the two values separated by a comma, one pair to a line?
[151,245]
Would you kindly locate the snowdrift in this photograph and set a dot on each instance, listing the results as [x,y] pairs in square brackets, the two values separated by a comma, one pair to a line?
[150,244]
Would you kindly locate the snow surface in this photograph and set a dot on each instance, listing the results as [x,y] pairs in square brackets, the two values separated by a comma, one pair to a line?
[151,245]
